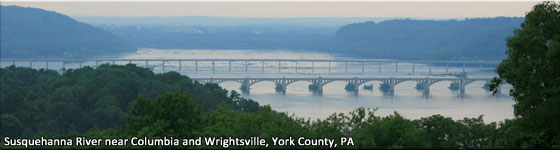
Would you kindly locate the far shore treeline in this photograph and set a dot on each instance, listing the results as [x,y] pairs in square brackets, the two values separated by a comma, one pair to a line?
[33,33]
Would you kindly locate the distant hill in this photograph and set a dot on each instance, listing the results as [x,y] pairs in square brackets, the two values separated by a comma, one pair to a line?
[480,38]
[324,22]
[36,33]
[466,39]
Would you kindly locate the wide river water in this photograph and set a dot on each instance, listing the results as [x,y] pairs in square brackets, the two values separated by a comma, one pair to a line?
[300,101]
[303,103]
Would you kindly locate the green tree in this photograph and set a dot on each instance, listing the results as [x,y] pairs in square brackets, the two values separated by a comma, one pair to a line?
[441,131]
[171,114]
[392,131]
[532,68]
[473,133]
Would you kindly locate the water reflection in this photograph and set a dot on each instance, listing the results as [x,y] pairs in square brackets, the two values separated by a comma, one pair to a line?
[407,100]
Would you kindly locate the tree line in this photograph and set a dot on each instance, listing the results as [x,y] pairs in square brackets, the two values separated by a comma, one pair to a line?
[115,101]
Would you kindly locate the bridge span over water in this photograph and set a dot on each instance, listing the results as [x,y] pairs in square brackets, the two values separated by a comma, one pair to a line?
[313,66]
[283,82]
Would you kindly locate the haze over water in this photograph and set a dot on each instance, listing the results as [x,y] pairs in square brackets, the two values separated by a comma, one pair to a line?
[300,101]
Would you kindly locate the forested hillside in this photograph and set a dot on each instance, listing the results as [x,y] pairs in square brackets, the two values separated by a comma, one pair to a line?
[478,39]
[114,101]
[470,39]
[34,101]
[270,37]
[37,33]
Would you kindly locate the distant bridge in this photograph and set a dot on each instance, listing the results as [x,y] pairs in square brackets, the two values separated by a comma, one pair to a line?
[320,82]
[177,64]
[280,65]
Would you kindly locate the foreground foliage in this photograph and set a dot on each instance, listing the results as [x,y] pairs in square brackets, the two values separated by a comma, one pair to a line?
[34,101]
[99,103]
[532,68]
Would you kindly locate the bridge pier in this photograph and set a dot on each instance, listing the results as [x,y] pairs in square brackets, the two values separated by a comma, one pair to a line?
[481,66]
[346,67]
[430,67]
[355,84]
[391,91]
[320,83]
[446,67]
[312,67]
[412,67]
[279,66]
[462,89]
[319,91]
[356,89]
[499,90]
[329,67]
[462,92]
[388,86]
[296,66]
[281,85]
[426,92]
[363,67]
[246,87]
[396,66]
[246,66]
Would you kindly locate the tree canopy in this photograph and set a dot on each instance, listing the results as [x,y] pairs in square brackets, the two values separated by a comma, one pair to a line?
[34,101]
[31,33]
[532,68]
[476,38]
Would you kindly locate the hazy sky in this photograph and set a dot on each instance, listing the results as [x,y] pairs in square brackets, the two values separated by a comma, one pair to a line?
[432,9]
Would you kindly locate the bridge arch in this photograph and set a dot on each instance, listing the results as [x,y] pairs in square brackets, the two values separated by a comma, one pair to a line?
[225,81]
[331,81]
[367,81]
[473,81]
[439,81]
[289,83]
[403,81]
[476,81]
[261,81]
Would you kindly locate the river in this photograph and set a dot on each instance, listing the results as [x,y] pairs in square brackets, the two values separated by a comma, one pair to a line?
[300,101]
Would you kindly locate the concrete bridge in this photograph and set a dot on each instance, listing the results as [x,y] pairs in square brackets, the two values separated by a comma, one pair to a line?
[320,82]
[277,65]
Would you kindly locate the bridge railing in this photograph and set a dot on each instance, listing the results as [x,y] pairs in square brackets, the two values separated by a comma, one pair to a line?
[278,65]
[356,81]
